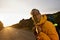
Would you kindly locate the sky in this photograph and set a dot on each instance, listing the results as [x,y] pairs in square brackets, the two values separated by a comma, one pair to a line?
[12,11]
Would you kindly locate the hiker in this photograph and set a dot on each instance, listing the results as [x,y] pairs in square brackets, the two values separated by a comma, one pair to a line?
[44,29]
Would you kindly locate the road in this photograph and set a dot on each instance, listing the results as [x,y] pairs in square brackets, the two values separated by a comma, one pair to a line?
[10,33]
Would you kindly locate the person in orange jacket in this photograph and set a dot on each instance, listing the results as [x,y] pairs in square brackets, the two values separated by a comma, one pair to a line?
[45,29]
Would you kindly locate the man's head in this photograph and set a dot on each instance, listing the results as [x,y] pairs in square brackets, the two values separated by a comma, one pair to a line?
[36,15]
[35,12]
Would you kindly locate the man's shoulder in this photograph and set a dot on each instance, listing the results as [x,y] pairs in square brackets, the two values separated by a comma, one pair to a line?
[48,22]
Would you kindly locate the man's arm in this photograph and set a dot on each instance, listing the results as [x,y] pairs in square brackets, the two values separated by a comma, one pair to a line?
[43,36]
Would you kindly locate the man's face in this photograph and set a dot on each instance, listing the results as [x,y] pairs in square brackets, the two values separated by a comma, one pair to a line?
[36,15]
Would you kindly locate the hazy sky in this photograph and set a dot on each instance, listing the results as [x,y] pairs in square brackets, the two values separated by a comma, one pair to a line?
[12,11]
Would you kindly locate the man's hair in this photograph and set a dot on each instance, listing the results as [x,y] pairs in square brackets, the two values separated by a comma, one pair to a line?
[35,10]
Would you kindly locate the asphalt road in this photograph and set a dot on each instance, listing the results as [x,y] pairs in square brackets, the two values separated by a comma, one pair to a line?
[10,33]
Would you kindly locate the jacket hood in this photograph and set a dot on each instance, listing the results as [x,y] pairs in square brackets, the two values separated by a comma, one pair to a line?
[43,19]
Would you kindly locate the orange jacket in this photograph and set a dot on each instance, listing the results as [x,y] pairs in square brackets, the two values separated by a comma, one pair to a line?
[48,30]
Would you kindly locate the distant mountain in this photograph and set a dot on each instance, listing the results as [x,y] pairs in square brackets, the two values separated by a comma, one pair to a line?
[55,17]
[24,23]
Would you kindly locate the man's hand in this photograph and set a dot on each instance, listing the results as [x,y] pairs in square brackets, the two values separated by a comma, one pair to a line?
[37,24]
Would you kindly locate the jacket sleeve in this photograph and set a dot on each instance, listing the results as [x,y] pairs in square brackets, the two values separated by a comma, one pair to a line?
[43,36]
[51,32]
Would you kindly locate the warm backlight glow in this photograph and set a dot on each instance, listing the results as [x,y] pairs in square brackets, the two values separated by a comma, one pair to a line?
[9,19]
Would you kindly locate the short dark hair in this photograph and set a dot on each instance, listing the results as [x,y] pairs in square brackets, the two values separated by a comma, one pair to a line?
[35,10]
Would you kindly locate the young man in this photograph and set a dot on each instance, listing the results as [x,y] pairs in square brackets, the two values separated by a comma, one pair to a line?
[45,29]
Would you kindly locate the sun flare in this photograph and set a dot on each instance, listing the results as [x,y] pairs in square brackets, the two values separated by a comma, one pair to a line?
[9,19]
